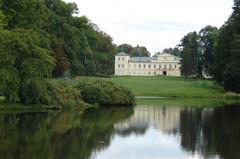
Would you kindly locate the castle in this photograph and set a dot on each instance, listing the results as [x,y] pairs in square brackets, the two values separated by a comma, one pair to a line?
[163,64]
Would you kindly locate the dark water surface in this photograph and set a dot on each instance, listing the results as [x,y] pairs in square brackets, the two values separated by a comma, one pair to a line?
[145,132]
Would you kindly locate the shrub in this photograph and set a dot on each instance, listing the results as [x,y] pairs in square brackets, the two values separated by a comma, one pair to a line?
[105,93]
[65,96]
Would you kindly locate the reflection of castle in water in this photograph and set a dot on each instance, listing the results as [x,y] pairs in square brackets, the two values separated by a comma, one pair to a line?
[165,119]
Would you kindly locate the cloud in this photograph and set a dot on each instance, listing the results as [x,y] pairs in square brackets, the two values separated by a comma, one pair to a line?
[156,24]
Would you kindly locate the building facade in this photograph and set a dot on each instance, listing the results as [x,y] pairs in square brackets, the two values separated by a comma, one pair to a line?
[164,64]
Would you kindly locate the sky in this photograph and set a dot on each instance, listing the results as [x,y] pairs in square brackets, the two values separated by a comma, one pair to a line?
[155,24]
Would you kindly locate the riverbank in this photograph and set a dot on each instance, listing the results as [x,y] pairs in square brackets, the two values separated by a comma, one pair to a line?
[168,86]
[6,107]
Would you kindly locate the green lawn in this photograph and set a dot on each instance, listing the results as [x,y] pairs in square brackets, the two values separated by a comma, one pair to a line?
[166,86]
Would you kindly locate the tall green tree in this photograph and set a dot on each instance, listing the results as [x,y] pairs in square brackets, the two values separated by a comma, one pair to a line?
[227,56]
[208,38]
[191,63]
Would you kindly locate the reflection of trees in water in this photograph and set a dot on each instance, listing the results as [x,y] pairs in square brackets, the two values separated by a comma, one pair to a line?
[57,135]
[75,135]
[211,132]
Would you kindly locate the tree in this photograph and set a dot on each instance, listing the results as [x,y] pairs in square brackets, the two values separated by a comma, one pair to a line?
[191,65]
[134,51]
[25,64]
[208,37]
[226,59]
[174,51]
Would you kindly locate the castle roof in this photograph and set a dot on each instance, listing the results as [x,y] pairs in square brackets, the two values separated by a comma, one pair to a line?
[142,59]
[122,54]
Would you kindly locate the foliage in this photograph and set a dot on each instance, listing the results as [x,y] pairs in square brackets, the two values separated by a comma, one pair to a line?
[133,51]
[227,56]
[174,51]
[77,44]
[105,93]
[65,96]
[191,55]
[25,63]
[208,38]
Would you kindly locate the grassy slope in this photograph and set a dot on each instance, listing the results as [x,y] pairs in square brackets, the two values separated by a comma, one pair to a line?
[166,86]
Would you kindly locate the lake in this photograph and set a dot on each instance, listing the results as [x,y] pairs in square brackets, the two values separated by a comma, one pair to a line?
[151,130]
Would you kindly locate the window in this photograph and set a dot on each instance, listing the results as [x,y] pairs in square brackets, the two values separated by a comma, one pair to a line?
[119,66]
[165,66]
[134,65]
[122,66]
[149,66]
[170,66]
[175,66]
[144,66]
[123,58]
[139,65]
[160,66]
[119,59]
[154,66]
[154,73]
[149,73]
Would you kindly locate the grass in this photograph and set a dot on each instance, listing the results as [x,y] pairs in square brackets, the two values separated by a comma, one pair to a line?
[166,86]
[183,102]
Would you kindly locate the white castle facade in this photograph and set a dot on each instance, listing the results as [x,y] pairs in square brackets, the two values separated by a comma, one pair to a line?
[164,64]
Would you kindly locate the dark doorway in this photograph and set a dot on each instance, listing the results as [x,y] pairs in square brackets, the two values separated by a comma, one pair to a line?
[165,73]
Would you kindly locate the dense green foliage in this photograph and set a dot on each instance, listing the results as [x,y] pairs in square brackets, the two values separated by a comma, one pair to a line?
[105,93]
[227,56]
[41,39]
[65,96]
[25,64]
[133,51]
[76,44]
[197,52]
[166,86]
[190,55]
[208,40]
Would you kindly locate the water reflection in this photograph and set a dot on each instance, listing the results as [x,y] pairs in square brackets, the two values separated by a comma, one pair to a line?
[146,132]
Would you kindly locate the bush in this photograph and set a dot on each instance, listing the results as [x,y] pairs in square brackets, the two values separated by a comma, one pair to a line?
[105,93]
[65,96]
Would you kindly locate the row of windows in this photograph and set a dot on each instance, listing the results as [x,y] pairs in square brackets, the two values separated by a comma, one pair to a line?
[140,73]
[149,66]
[119,59]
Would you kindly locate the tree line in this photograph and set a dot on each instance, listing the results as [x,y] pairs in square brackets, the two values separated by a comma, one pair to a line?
[41,40]
[213,52]
[76,45]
